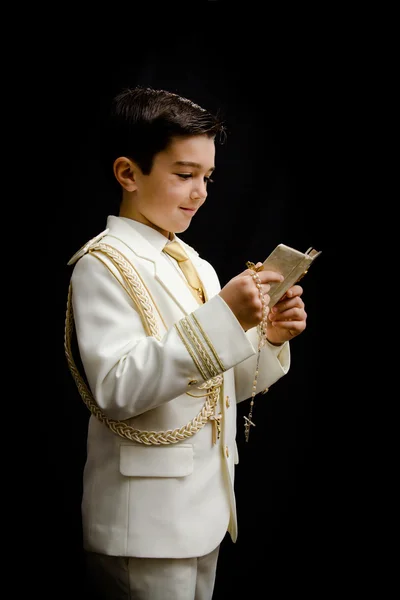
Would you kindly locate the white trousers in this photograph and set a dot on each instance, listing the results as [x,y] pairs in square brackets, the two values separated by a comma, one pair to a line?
[123,578]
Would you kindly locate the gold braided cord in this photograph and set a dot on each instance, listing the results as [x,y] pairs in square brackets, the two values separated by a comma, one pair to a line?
[135,288]
[139,295]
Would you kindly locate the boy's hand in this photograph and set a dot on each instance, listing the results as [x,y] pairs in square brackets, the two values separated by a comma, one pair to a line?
[243,298]
[287,318]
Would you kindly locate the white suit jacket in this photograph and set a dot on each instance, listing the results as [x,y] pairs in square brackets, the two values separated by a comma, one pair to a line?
[177,500]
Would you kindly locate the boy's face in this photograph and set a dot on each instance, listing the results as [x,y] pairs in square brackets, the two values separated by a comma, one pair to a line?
[176,187]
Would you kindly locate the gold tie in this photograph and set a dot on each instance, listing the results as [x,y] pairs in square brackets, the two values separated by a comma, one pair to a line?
[175,250]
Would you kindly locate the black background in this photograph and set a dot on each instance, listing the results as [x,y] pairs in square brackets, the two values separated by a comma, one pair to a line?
[281,176]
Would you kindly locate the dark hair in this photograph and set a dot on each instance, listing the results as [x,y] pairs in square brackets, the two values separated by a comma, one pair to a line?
[144,120]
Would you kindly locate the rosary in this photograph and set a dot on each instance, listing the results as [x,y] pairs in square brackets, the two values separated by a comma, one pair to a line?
[262,337]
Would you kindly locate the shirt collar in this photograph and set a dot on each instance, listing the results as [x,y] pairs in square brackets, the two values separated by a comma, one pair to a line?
[154,237]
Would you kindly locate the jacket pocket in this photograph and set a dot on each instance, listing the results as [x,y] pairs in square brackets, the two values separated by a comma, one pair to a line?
[156,461]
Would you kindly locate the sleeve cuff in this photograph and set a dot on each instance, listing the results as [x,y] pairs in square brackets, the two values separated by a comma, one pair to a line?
[214,338]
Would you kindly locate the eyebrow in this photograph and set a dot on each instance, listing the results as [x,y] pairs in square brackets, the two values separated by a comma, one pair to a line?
[189,163]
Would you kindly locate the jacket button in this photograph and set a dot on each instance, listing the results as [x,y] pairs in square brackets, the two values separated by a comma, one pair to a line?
[227,451]
[193,382]
[227,402]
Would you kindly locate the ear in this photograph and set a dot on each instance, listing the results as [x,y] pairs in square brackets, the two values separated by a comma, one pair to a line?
[125,170]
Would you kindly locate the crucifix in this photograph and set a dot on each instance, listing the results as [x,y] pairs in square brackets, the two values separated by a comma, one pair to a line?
[247,426]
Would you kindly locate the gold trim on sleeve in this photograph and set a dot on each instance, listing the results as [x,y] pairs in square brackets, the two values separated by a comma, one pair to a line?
[196,342]
[195,319]
[192,354]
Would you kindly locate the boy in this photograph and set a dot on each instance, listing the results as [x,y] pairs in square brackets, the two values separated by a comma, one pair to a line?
[167,355]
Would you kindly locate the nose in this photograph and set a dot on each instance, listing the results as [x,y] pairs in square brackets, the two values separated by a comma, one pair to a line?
[199,190]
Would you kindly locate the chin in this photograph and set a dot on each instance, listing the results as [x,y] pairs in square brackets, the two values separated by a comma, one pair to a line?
[178,226]
[180,229]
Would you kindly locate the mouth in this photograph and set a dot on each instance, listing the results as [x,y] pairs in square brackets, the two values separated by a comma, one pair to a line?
[190,211]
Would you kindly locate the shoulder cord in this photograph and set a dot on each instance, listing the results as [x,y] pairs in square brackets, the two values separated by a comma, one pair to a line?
[141,299]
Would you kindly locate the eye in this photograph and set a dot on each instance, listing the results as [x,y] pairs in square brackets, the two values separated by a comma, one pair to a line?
[189,175]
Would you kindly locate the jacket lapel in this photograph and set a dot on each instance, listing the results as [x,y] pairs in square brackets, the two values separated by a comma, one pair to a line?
[164,272]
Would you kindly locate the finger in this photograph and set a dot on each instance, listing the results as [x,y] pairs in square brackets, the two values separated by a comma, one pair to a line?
[246,272]
[287,303]
[265,287]
[294,327]
[293,314]
[270,276]
[295,290]
[264,276]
